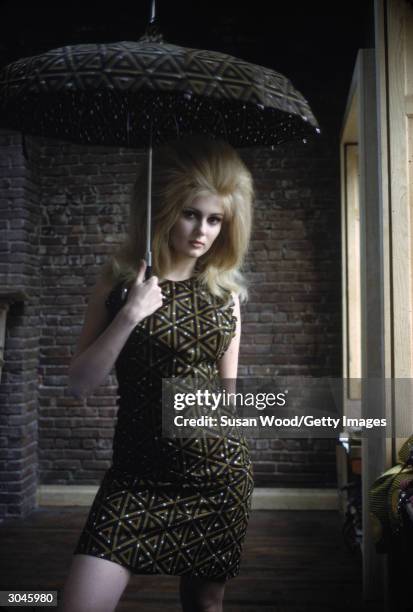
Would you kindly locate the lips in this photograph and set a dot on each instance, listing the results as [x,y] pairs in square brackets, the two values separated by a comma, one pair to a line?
[196,243]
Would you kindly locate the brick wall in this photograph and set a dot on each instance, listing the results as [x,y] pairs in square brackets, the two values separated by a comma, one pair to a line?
[19,227]
[85,194]
[291,324]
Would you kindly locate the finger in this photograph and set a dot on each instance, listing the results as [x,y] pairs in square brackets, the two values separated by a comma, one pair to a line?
[151,282]
[141,271]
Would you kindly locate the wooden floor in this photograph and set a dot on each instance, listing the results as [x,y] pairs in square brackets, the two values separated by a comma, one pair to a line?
[292,562]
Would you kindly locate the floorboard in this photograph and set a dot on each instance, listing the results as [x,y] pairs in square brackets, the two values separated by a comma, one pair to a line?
[293,561]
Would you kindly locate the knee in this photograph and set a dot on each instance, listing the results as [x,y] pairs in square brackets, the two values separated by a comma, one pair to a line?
[212,607]
[201,605]
[201,596]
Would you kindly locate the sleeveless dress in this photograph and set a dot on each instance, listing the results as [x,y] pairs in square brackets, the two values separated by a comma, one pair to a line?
[171,506]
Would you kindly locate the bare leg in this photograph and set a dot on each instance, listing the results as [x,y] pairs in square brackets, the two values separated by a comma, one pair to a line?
[201,595]
[93,585]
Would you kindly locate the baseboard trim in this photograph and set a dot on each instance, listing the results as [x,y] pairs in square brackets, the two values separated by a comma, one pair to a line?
[262,499]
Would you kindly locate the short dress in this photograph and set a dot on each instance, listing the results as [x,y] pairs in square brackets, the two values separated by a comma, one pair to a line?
[171,506]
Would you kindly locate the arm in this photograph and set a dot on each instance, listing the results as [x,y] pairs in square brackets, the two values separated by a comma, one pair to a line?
[99,344]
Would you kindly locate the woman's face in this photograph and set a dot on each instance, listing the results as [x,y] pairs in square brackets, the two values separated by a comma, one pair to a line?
[197,227]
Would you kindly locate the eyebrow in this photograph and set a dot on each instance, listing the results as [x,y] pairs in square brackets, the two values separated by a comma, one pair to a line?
[214,214]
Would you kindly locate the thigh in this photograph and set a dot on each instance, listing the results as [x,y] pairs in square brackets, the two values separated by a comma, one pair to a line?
[93,585]
[199,594]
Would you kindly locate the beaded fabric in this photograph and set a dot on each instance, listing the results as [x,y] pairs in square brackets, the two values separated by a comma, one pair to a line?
[167,505]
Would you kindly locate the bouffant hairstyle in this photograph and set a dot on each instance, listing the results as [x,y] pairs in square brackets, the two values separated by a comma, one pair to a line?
[182,171]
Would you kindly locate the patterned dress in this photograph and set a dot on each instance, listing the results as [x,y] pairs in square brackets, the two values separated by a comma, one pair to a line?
[167,505]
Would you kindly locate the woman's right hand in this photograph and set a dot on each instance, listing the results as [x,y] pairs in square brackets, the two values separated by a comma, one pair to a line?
[144,296]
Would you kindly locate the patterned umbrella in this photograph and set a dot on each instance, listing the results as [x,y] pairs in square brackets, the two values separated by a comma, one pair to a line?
[141,93]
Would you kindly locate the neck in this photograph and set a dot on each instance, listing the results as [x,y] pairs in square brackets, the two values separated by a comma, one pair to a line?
[181,270]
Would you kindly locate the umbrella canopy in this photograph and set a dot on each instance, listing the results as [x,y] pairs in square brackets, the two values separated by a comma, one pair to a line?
[148,92]
[134,93]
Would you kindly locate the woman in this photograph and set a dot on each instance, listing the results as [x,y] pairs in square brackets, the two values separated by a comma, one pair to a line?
[168,506]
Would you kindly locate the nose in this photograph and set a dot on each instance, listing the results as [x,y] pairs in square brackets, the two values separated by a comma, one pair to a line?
[201,227]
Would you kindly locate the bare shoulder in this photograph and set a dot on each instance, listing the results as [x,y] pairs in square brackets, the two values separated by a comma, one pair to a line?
[235,297]
[236,306]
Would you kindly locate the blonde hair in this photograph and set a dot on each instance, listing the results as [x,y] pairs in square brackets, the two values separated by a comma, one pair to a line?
[183,170]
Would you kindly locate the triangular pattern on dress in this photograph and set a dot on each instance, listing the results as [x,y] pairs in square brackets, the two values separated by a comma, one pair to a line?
[191,534]
[166,546]
[116,503]
[219,487]
[211,563]
[182,341]
[126,537]
[182,562]
[181,289]
[132,504]
[101,543]
[151,543]
[210,346]
[158,323]
[177,515]
[151,521]
[168,564]
[189,325]
[108,532]
[193,551]
[183,308]
[206,316]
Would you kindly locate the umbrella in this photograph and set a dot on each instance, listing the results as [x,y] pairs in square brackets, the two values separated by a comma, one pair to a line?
[142,93]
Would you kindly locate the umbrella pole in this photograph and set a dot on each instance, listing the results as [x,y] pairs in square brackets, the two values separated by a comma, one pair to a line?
[148,256]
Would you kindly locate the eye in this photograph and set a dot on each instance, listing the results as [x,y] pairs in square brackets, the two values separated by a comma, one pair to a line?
[189,214]
[215,220]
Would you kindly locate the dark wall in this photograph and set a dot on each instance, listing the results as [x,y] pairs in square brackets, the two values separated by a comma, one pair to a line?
[20,282]
[68,206]
[62,211]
